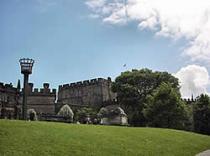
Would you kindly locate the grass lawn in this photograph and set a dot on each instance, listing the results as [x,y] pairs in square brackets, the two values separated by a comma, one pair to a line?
[47,138]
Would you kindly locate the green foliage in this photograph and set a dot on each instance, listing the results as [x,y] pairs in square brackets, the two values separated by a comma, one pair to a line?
[59,139]
[84,113]
[67,113]
[201,114]
[166,109]
[134,86]
[189,124]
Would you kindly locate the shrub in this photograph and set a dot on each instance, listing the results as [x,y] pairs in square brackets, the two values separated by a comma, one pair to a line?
[67,113]
[31,113]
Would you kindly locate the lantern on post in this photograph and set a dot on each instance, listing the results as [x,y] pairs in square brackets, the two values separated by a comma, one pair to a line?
[26,69]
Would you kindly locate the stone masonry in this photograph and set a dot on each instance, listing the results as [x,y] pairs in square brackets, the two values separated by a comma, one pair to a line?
[42,101]
[9,101]
[88,93]
[93,93]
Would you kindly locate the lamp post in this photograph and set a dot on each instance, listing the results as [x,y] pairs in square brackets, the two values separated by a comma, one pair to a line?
[26,69]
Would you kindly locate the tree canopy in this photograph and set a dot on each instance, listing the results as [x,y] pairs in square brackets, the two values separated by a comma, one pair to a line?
[83,113]
[132,88]
[165,108]
[201,114]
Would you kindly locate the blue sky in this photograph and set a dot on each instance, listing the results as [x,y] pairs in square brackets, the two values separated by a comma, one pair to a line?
[69,45]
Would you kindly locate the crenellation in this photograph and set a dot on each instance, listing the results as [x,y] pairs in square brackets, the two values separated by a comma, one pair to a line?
[101,80]
[46,85]
[72,84]
[66,86]
[42,91]
[189,100]
[79,83]
[93,81]
[86,93]
[8,85]
[30,87]
[60,87]
[42,100]
[36,90]
[1,85]
[53,91]
[86,82]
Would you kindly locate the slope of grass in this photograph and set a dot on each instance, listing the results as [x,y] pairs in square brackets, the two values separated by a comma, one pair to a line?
[43,138]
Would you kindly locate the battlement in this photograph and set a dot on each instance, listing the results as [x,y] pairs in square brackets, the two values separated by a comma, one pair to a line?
[189,101]
[84,83]
[42,91]
[7,87]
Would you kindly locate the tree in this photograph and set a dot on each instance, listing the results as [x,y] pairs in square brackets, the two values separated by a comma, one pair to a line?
[132,88]
[165,108]
[85,113]
[201,114]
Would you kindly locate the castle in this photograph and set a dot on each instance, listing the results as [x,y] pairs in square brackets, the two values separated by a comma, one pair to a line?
[89,93]
[93,93]
[9,101]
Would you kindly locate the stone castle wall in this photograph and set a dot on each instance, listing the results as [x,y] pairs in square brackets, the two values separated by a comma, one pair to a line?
[89,93]
[42,101]
[8,100]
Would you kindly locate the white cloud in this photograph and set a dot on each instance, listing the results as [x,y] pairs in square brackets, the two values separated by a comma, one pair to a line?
[175,19]
[193,79]
[95,4]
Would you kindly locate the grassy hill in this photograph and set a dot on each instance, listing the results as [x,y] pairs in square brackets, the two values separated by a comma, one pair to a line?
[43,138]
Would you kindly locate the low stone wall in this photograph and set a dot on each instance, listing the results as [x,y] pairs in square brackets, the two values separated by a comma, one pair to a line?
[54,118]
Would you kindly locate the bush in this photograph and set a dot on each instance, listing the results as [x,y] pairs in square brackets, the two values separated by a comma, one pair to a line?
[31,113]
[67,113]
[86,115]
